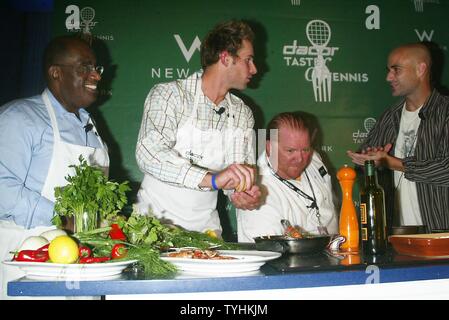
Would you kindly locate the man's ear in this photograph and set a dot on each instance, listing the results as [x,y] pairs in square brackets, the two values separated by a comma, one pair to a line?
[422,69]
[54,73]
[268,147]
[224,58]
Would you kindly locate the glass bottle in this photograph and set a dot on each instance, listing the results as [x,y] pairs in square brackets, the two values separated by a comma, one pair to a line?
[372,213]
[85,221]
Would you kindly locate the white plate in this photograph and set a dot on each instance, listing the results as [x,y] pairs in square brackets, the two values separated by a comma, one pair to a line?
[247,260]
[78,271]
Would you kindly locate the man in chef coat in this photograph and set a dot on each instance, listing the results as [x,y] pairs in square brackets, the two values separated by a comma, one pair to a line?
[195,136]
[294,182]
[41,137]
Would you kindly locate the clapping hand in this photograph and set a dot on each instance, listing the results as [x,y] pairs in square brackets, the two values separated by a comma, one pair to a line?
[379,154]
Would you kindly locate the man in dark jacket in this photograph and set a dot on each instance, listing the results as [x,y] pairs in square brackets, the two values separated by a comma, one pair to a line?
[411,142]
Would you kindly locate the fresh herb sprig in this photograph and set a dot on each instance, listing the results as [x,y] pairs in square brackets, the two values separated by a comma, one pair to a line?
[149,259]
[143,229]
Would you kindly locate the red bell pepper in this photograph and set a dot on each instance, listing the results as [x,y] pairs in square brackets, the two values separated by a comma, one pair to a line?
[84,252]
[116,233]
[44,248]
[94,259]
[119,251]
[32,256]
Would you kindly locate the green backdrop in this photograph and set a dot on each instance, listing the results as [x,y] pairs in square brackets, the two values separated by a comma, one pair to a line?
[144,42]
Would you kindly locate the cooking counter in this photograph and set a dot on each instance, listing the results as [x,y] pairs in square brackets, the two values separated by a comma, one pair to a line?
[288,277]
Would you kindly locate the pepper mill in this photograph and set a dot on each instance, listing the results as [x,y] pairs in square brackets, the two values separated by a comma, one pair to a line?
[349,226]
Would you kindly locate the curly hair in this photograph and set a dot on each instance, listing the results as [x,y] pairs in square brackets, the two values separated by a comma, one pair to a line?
[227,36]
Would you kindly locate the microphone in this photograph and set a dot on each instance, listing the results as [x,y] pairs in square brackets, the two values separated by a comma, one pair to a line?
[88,127]
[421,116]
[220,111]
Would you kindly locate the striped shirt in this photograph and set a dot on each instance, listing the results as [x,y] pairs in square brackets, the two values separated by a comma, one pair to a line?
[428,167]
[167,107]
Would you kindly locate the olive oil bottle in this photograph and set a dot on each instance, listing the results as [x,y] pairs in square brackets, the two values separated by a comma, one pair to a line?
[372,213]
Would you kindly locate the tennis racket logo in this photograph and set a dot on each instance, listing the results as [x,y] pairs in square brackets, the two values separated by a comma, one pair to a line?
[319,34]
[87,15]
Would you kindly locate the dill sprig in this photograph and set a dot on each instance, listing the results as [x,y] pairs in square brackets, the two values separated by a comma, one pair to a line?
[149,259]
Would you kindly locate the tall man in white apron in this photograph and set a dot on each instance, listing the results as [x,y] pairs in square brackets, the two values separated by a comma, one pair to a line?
[48,133]
[196,136]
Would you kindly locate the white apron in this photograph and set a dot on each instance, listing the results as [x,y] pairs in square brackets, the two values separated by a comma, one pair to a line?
[188,208]
[64,154]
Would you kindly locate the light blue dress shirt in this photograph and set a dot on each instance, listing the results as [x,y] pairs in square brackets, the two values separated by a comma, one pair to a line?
[26,146]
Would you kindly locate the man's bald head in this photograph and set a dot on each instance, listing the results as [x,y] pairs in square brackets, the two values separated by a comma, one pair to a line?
[409,73]
[417,53]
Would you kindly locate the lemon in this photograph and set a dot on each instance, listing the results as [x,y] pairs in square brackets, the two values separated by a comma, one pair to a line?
[63,249]
[211,233]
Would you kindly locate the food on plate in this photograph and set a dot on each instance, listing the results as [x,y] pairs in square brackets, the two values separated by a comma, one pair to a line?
[63,249]
[33,243]
[199,254]
[51,234]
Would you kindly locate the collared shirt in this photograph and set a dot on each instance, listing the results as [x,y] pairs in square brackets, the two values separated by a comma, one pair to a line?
[167,107]
[26,146]
[281,202]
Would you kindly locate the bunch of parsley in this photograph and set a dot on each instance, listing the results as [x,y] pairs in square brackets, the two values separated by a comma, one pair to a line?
[89,191]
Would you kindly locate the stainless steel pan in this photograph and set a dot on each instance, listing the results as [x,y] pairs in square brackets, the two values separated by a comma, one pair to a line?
[283,244]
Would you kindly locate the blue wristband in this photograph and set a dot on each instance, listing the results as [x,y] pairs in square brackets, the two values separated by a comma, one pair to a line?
[214,185]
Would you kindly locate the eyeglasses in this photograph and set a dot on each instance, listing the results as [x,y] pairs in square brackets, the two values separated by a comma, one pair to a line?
[84,68]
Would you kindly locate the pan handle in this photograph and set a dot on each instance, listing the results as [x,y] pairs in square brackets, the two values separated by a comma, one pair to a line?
[335,243]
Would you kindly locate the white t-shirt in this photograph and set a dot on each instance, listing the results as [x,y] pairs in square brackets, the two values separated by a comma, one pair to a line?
[406,196]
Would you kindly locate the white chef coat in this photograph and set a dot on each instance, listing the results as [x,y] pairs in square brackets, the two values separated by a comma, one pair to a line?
[281,202]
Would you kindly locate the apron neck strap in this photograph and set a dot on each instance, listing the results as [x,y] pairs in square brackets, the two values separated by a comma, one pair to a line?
[51,113]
